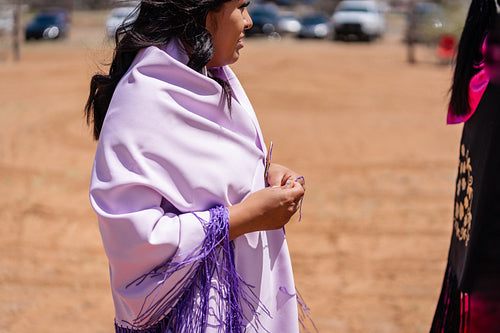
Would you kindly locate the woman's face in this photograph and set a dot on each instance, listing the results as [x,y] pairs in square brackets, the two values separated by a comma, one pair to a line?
[227,27]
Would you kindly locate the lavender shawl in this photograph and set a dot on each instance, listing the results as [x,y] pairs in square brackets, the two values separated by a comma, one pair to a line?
[170,158]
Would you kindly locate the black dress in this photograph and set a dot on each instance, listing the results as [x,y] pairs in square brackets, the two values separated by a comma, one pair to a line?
[474,254]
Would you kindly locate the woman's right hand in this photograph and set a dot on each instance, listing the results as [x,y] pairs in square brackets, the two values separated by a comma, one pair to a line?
[268,209]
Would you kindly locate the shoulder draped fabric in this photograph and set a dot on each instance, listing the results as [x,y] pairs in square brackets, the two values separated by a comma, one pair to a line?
[170,158]
[477,87]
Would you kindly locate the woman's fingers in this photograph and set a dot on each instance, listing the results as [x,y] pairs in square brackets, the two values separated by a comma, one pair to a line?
[301,180]
[267,209]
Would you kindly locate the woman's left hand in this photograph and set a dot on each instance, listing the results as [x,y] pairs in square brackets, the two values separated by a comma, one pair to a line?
[278,175]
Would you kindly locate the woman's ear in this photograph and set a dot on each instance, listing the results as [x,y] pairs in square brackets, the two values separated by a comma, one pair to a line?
[211,22]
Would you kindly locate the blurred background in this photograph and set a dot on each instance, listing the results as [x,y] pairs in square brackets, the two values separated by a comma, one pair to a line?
[354,96]
[424,22]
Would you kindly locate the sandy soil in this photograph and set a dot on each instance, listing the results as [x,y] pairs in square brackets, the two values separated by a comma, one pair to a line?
[366,129]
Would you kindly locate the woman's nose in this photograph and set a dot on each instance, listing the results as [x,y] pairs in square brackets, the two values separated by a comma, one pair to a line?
[247,20]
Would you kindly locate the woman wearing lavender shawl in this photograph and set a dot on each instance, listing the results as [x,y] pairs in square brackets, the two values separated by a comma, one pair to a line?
[191,219]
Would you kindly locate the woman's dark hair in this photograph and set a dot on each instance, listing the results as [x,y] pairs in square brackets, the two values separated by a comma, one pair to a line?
[480,18]
[156,24]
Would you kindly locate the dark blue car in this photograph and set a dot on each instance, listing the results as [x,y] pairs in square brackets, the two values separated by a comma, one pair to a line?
[265,18]
[48,25]
[315,25]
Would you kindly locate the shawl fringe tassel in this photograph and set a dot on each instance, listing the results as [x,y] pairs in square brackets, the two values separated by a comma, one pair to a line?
[304,311]
[187,307]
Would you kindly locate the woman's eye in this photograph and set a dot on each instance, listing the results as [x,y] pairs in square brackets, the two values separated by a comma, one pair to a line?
[245,5]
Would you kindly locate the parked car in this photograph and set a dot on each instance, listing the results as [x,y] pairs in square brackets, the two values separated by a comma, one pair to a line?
[363,19]
[62,13]
[265,19]
[6,21]
[117,17]
[428,25]
[48,24]
[288,23]
[315,25]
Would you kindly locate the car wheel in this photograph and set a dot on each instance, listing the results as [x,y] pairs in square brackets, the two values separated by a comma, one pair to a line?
[51,33]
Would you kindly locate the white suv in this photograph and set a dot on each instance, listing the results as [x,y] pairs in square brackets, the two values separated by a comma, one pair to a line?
[363,19]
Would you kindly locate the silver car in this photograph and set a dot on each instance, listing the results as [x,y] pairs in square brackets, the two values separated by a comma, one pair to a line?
[362,19]
[117,17]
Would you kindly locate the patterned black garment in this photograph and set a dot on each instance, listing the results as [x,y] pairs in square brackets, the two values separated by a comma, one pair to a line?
[474,255]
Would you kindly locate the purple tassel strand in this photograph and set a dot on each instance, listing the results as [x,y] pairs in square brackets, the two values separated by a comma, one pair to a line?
[302,199]
[304,311]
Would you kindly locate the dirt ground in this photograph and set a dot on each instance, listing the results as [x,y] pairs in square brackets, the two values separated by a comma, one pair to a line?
[365,128]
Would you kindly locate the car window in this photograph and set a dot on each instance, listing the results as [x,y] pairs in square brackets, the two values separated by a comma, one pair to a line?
[354,9]
[313,19]
[360,7]
[46,19]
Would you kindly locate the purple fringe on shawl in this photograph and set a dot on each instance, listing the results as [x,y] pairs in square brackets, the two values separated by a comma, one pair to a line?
[301,199]
[186,307]
[304,311]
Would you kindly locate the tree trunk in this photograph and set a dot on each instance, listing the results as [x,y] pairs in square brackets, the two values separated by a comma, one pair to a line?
[411,38]
[16,32]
